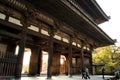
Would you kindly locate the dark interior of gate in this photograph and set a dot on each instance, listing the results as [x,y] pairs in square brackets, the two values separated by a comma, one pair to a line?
[59,35]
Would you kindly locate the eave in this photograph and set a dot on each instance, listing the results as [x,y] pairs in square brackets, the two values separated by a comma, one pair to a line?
[74,18]
[94,10]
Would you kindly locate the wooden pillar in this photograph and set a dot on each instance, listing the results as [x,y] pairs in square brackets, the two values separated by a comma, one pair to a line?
[21,53]
[77,66]
[66,65]
[70,59]
[76,59]
[82,56]
[33,69]
[56,64]
[91,68]
[39,61]
[50,55]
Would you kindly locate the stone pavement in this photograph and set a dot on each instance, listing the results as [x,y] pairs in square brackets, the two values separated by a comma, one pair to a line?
[64,77]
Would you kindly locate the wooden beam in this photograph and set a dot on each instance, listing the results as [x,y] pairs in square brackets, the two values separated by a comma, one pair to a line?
[3,32]
[11,25]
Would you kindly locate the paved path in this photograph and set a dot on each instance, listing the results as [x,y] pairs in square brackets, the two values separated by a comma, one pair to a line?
[63,77]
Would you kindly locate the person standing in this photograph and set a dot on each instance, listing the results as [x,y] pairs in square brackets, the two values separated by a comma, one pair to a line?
[103,72]
[87,73]
[83,73]
[117,74]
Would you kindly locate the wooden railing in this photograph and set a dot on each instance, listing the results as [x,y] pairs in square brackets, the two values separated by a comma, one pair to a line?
[7,64]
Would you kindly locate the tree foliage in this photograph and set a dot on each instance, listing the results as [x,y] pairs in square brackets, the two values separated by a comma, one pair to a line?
[109,55]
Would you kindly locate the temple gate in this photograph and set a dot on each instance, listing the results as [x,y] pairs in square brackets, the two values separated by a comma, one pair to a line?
[60,27]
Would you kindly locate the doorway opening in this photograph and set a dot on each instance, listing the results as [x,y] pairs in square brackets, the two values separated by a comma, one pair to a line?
[44,62]
[26,61]
[62,64]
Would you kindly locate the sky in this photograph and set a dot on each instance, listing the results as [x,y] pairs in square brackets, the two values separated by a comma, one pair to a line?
[111,27]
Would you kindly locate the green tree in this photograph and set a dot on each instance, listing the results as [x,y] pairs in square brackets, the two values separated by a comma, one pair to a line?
[110,56]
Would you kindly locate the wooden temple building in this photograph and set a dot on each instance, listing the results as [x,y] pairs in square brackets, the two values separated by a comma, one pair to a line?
[58,27]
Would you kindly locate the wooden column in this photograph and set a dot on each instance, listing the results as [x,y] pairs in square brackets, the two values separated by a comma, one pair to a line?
[50,55]
[91,68]
[21,52]
[39,61]
[70,59]
[77,65]
[66,65]
[82,55]
[56,64]
[33,69]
